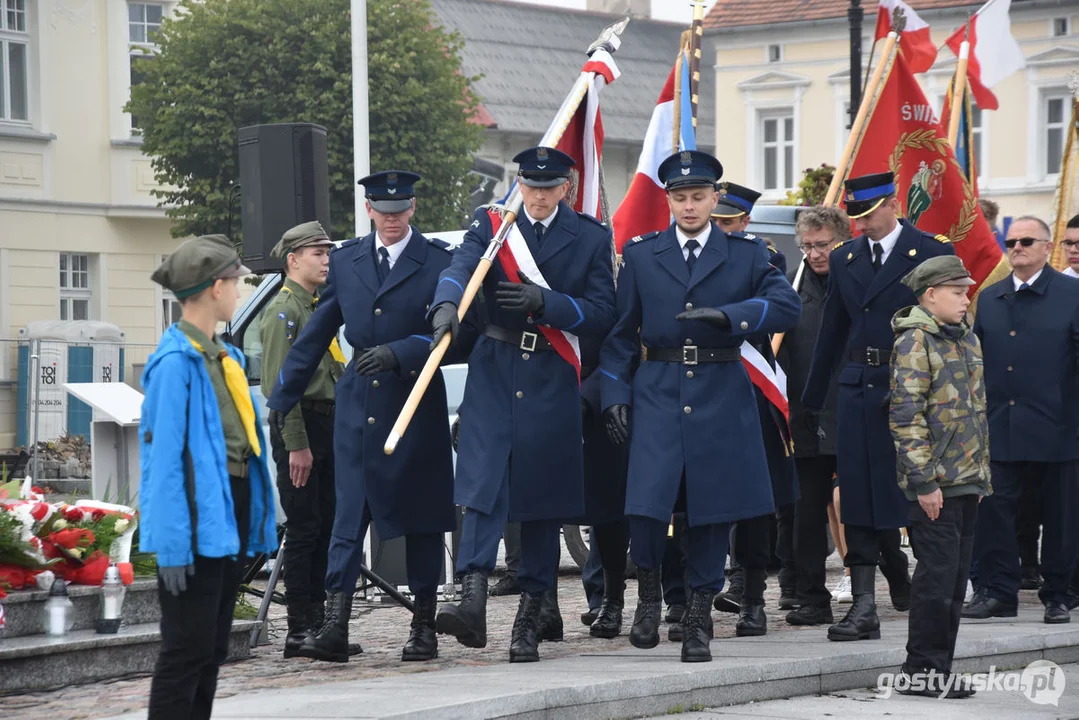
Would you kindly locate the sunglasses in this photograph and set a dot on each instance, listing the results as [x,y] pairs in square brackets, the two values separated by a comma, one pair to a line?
[1025,242]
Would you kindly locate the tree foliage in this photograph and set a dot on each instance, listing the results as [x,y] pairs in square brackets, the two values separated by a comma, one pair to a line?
[226,64]
[813,187]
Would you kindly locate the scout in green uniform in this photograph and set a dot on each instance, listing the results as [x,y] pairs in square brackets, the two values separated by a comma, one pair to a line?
[206,499]
[302,439]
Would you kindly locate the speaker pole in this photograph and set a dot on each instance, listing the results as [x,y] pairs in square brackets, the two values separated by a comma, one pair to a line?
[361,141]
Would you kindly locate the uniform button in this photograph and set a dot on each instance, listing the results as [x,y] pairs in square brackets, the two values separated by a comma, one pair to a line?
[870,386]
[1012,333]
[687,409]
[689,306]
[378,311]
[520,394]
[689,373]
[525,356]
[744,325]
[529,320]
[865,310]
[689,341]
[370,421]
[426,307]
[413,373]
[1010,368]
[374,383]
[1011,402]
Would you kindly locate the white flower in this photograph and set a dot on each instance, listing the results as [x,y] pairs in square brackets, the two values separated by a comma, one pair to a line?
[76,551]
[59,524]
[122,524]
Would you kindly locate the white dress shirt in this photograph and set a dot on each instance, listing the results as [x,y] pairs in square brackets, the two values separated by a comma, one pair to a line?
[546,223]
[1017,282]
[701,239]
[1069,272]
[887,243]
[394,250]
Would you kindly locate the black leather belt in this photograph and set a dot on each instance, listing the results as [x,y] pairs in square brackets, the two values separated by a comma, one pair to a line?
[238,470]
[322,407]
[692,355]
[527,341]
[872,357]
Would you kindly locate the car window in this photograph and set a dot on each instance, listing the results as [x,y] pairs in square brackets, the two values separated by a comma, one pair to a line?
[252,346]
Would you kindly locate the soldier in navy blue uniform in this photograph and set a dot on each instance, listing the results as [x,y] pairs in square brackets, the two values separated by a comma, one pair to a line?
[379,287]
[519,449]
[751,540]
[690,295]
[864,291]
[1029,327]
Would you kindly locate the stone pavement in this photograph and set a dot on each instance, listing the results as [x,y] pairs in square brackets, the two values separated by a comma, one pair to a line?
[382,630]
[1007,705]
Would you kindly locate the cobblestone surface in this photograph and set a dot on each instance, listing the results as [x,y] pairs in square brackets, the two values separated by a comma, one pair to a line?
[382,630]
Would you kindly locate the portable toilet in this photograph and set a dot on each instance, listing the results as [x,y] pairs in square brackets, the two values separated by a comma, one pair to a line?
[80,351]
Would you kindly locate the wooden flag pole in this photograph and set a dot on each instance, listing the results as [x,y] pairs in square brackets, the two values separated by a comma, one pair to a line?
[959,87]
[676,125]
[869,97]
[609,40]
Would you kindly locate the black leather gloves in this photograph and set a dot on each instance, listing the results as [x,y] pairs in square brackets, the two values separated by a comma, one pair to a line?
[444,322]
[616,418]
[377,360]
[712,316]
[525,296]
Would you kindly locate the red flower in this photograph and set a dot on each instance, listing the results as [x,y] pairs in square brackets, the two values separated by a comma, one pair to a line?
[98,514]
[93,570]
[127,572]
[2,593]
[72,514]
[39,511]
[35,542]
[72,538]
[38,490]
[12,577]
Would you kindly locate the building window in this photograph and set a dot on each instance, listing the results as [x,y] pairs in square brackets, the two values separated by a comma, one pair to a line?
[777,150]
[1057,118]
[1059,27]
[14,61]
[143,23]
[774,53]
[75,291]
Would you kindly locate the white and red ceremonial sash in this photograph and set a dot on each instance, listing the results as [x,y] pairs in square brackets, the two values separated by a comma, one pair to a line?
[771,382]
[516,260]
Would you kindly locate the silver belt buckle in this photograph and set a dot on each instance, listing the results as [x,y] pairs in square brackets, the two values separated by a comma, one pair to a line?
[689,354]
[528,341]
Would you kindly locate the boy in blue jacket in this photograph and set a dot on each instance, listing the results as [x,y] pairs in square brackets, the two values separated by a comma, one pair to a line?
[206,498]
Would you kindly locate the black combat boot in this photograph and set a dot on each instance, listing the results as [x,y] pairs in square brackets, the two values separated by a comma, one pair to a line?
[331,642]
[300,624]
[467,620]
[697,628]
[730,600]
[751,619]
[900,593]
[645,631]
[550,617]
[811,615]
[608,624]
[861,622]
[422,642]
[524,640]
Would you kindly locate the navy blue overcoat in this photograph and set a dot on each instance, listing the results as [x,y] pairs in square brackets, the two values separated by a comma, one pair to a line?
[858,310]
[702,420]
[521,412]
[412,490]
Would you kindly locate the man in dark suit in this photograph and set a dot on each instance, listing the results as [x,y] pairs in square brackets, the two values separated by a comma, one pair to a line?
[864,291]
[519,451]
[819,230]
[378,287]
[1029,327]
[691,296]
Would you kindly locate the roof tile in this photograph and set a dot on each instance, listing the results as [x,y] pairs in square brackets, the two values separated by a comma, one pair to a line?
[736,13]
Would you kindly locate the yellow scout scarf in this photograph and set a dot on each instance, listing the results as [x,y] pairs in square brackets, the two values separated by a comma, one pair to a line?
[236,381]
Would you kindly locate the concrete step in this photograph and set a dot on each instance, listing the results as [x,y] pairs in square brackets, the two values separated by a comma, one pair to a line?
[39,662]
[25,609]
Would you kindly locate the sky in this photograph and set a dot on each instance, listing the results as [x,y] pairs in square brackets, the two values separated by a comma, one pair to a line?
[674,10]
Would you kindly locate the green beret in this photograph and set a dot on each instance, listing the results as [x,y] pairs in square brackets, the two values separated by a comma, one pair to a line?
[940,270]
[306,234]
[195,265]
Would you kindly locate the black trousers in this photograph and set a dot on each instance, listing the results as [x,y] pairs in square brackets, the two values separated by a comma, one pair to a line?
[943,548]
[673,569]
[195,627]
[869,546]
[811,528]
[784,546]
[308,510]
[995,548]
[1028,525]
[751,542]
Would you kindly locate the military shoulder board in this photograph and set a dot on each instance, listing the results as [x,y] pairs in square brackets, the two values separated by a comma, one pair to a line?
[745,236]
[840,245]
[942,238]
[439,243]
[640,238]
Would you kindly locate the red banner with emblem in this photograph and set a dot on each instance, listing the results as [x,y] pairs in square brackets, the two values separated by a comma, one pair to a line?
[904,135]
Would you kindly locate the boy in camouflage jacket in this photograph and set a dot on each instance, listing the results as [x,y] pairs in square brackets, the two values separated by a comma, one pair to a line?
[938,422]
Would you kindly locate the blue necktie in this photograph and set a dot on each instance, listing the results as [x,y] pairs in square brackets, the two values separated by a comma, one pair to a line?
[691,257]
[540,229]
[1024,286]
[383,264]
